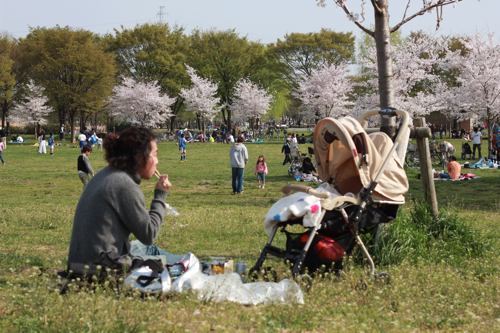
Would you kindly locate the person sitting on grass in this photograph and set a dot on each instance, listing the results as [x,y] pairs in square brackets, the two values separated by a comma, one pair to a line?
[454,169]
[309,167]
[112,205]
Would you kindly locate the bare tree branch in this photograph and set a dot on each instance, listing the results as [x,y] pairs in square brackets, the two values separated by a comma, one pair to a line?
[375,5]
[362,27]
[422,12]
[407,6]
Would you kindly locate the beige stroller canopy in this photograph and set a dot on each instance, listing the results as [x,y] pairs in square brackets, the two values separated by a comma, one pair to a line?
[350,159]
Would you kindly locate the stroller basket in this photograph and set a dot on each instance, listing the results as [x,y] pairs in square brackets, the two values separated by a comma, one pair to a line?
[363,186]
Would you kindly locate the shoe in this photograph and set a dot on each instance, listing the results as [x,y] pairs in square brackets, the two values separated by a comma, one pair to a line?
[259,185]
[262,186]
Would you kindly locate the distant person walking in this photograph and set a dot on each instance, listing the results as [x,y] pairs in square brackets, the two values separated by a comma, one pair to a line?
[1,149]
[261,170]
[182,147]
[477,140]
[82,138]
[442,131]
[62,132]
[286,150]
[51,143]
[84,168]
[41,147]
[239,158]
[3,137]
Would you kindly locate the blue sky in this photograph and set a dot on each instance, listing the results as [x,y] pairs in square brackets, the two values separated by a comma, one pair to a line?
[264,20]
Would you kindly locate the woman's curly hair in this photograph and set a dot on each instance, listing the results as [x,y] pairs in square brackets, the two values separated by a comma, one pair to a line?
[130,150]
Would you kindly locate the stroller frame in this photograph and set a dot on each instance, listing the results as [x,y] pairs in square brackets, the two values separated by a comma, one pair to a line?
[340,204]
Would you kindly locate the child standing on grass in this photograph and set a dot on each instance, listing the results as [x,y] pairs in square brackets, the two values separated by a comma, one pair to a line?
[99,143]
[51,143]
[1,148]
[182,147]
[84,168]
[261,170]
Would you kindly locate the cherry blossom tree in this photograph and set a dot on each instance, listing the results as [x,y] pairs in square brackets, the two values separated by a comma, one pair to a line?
[325,93]
[479,78]
[414,82]
[32,109]
[140,103]
[250,102]
[382,34]
[201,99]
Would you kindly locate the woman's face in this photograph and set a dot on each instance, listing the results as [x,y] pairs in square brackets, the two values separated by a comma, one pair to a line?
[147,171]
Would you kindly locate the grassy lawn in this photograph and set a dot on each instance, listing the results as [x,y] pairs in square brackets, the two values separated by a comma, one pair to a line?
[38,197]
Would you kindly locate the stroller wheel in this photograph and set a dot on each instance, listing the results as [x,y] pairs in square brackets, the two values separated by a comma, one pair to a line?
[383,278]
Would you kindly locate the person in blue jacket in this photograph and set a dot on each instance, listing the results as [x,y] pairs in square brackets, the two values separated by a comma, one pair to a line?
[286,150]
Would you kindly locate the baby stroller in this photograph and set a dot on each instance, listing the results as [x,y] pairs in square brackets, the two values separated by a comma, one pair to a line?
[296,159]
[466,151]
[363,185]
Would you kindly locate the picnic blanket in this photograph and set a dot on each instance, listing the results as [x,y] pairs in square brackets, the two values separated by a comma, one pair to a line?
[461,178]
[483,163]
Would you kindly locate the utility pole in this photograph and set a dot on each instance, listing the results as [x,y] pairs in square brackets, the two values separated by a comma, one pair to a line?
[160,14]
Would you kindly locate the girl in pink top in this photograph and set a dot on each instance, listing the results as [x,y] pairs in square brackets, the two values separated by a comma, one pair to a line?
[261,170]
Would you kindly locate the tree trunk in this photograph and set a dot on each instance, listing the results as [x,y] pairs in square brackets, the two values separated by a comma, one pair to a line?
[490,128]
[228,120]
[172,122]
[82,121]
[384,64]
[72,126]
[4,115]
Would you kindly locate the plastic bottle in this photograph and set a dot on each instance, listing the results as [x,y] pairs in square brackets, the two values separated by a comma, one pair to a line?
[171,211]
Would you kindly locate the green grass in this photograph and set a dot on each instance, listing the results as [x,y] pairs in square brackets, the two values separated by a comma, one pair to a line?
[443,290]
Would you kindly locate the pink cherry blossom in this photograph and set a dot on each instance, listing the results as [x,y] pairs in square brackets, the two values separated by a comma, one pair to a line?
[325,93]
[249,102]
[201,99]
[34,109]
[140,103]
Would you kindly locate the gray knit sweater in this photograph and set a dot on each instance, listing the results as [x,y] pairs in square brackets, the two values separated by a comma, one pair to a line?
[110,209]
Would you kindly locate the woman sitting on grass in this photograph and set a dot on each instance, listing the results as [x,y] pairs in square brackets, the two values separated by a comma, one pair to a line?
[454,169]
[112,204]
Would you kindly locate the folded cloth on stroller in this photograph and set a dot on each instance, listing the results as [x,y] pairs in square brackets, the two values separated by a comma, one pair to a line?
[299,204]
[296,205]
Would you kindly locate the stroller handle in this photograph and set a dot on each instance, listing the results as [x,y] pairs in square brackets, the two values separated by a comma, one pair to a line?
[287,190]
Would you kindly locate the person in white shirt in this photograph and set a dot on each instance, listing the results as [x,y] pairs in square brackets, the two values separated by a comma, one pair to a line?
[477,140]
[99,143]
[20,139]
[82,138]
[230,138]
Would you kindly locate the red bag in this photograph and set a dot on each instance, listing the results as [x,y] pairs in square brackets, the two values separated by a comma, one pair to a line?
[326,248]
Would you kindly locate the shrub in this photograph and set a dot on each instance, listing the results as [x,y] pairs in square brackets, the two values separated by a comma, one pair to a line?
[417,235]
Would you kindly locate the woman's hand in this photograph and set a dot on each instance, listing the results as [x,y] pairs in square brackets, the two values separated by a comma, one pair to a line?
[163,183]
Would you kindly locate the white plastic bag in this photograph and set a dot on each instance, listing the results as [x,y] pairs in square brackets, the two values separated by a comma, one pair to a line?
[229,287]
